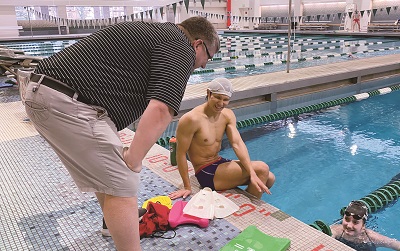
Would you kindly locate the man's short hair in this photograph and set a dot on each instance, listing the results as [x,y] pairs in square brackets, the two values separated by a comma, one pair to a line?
[200,28]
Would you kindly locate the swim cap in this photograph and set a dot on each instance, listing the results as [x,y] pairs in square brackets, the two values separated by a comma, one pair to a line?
[221,86]
[357,208]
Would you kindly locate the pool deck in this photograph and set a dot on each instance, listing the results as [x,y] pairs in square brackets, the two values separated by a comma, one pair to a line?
[41,208]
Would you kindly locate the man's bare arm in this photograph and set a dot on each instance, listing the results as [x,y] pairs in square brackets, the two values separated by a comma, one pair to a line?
[152,124]
[241,151]
[184,135]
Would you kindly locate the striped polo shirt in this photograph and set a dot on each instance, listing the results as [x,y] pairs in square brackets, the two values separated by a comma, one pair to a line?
[122,67]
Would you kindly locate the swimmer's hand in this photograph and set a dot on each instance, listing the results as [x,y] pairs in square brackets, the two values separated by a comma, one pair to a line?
[261,187]
[180,193]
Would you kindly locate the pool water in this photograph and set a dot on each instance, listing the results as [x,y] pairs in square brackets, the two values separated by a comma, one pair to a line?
[322,161]
[40,48]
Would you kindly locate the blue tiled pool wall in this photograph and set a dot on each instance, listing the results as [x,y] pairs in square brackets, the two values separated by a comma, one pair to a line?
[322,96]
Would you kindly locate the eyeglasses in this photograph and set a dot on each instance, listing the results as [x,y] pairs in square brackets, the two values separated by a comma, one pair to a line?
[208,53]
[355,216]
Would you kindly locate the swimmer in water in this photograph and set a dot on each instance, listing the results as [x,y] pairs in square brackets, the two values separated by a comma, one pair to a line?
[354,234]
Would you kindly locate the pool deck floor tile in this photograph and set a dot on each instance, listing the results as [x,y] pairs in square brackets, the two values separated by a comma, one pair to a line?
[42,209]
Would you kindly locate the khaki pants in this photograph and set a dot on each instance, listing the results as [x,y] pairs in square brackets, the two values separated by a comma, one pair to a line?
[84,138]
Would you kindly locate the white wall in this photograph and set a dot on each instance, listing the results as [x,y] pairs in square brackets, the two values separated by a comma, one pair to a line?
[286,2]
[246,8]
[8,22]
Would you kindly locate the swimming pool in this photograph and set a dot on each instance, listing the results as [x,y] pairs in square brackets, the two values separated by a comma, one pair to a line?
[255,53]
[324,160]
[309,51]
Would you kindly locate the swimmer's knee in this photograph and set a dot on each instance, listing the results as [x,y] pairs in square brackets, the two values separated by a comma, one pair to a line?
[264,166]
[261,169]
[271,176]
[270,180]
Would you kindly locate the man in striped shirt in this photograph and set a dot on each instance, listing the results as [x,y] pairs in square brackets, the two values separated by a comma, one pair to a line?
[78,99]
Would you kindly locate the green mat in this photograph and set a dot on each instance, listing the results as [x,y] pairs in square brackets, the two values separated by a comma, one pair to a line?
[253,239]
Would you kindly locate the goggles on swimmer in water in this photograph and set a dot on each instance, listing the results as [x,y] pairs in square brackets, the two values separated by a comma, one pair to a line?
[355,216]
[356,206]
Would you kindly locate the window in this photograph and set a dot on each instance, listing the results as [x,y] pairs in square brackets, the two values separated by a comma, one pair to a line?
[117,11]
[80,12]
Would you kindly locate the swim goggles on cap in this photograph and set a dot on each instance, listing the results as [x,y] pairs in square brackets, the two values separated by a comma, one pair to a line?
[357,216]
